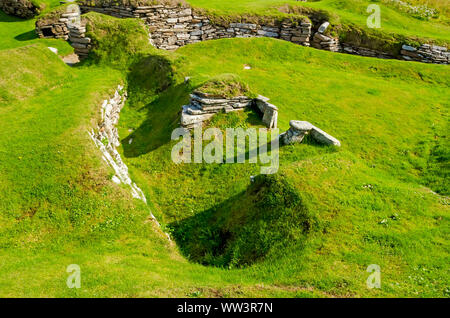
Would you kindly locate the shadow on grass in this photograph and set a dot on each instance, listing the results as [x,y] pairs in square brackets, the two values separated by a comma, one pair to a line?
[151,90]
[8,18]
[30,35]
[202,238]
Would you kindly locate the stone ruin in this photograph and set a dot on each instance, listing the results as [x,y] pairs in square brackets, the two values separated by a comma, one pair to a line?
[203,106]
[20,8]
[67,25]
[299,129]
[173,26]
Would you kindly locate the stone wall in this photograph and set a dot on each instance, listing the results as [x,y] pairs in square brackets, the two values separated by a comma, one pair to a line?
[79,41]
[203,106]
[426,53]
[66,25]
[171,27]
[106,138]
[19,8]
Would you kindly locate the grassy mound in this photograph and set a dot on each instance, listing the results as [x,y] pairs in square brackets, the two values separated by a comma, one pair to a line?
[226,86]
[267,217]
[116,42]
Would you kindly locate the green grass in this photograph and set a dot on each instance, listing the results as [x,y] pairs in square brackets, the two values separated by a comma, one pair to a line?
[370,201]
[371,198]
[15,32]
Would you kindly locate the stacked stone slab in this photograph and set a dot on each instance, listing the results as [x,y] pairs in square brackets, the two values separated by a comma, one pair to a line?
[79,41]
[299,129]
[203,106]
[361,51]
[324,42]
[67,26]
[171,27]
[426,53]
[19,8]
[53,29]
[58,26]
[106,138]
[269,111]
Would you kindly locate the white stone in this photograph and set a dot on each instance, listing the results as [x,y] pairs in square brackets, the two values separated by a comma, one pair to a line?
[324,27]
[54,50]
[116,180]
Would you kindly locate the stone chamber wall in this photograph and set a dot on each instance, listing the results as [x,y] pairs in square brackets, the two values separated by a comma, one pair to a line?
[19,8]
[68,26]
[203,106]
[172,26]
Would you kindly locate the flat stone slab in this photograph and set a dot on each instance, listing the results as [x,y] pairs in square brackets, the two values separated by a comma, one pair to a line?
[301,125]
[299,129]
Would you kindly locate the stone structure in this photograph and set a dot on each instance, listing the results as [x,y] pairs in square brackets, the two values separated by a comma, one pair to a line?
[269,112]
[66,25]
[323,42]
[79,41]
[19,8]
[173,26]
[106,138]
[299,129]
[426,53]
[361,51]
[203,106]
[58,24]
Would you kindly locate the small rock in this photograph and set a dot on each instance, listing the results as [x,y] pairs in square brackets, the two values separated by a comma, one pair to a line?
[324,27]
[54,50]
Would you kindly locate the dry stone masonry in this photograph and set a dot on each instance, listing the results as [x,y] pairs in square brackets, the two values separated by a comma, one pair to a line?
[323,42]
[106,138]
[66,25]
[19,8]
[58,24]
[299,129]
[79,41]
[171,27]
[426,53]
[203,106]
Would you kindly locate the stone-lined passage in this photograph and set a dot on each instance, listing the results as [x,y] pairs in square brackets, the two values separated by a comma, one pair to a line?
[106,137]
